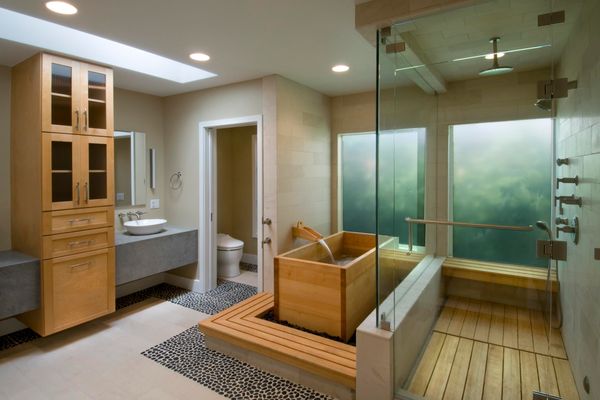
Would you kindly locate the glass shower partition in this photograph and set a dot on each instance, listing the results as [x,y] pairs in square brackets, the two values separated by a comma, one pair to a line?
[462,137]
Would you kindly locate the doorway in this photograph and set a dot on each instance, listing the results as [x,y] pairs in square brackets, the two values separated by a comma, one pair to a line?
[210,202]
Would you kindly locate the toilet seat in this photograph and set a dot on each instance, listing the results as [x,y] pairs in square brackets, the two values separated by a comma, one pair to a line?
[227,243]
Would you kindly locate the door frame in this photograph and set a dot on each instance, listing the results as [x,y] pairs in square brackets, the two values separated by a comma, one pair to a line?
[207,231]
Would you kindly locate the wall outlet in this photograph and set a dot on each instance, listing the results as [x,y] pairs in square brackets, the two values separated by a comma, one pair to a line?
[155,203]
[120,196]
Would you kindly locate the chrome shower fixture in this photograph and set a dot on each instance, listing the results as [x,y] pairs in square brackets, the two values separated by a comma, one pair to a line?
[544,227]
[562,161]
[544,104]
[570,229]
[496,68]
[567,180]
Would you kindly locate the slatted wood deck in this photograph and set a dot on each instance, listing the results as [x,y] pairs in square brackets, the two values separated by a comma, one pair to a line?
[482,350]
[241,326]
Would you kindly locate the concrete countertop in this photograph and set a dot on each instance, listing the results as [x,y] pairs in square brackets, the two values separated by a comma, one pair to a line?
[9,258]
[122,237]
[19,283]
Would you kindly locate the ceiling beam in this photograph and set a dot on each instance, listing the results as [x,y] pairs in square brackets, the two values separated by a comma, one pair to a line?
[426,77]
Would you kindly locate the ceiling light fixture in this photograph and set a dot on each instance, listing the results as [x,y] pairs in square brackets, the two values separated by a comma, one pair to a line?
[496,68]
[61,7]
[340,68]
[199,57]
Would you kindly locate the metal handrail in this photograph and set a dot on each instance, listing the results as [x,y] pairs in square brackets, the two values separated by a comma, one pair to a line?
[412,221]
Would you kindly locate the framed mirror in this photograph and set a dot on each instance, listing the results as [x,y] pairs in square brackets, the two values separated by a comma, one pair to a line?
[130,169]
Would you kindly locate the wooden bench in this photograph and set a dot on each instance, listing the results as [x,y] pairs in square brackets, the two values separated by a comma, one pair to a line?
[242,326]
[502,274]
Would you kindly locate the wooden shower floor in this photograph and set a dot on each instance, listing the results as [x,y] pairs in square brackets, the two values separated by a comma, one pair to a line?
[481,350]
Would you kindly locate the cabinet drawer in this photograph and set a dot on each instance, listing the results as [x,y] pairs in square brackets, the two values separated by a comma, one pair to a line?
[79,288]
[77,220]
[65,244]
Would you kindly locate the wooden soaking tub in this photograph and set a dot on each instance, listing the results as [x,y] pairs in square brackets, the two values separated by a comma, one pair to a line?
[312,293]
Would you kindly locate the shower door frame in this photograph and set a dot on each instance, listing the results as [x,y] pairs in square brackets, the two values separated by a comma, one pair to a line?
[207,228]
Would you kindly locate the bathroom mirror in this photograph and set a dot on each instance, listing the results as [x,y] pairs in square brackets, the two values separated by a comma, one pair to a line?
[130,168]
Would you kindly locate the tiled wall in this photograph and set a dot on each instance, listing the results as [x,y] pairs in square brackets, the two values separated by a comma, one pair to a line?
[578,138]
[303,160]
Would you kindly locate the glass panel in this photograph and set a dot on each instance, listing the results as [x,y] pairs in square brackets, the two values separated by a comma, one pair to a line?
[501,173]
[470,77]
[62,171]
[403,185]
[97,100]
[97,170]
[61,95]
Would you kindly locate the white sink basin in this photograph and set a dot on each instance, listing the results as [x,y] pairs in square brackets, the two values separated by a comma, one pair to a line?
[145,226]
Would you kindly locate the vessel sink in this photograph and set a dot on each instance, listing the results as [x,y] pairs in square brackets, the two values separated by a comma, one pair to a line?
[145,226]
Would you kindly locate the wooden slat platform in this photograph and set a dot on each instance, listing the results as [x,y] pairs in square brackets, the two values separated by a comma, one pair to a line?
[503,274]
[241,326]
[482,350]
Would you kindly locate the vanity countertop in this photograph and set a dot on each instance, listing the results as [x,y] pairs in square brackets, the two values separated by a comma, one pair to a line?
[9,258]
[122,237]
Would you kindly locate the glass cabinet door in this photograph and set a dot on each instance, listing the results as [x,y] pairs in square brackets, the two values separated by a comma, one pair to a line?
[97,171]
[97,100]
[60,95]
[60,172]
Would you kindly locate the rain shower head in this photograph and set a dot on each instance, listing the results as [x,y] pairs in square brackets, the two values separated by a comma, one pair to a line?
[496,69]
[544,227]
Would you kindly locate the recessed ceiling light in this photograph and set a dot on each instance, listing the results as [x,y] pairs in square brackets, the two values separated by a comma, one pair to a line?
[340,68]
[199,57]
[61,7]
[491,55]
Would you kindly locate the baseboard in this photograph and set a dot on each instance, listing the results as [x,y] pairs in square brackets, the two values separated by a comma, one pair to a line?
[11,325]
[183,282]
[250,258]
[140,284]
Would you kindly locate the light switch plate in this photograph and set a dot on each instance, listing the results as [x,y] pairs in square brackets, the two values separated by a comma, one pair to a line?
[155,203]
[120,196]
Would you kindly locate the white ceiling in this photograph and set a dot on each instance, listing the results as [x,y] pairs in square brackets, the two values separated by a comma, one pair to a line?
[302,39]
[246,39]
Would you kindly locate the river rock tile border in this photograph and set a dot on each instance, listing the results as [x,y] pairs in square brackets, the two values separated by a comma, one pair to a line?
[187,354]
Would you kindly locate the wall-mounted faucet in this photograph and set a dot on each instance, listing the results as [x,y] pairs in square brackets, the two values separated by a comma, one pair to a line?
[569,200]
[567,180]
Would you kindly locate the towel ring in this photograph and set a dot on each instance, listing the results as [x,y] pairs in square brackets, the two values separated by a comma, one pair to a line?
[175,181]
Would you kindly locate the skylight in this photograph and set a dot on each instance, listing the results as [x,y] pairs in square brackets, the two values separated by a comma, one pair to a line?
[36,32]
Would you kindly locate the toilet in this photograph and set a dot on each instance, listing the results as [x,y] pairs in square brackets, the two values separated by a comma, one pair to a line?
[229,255]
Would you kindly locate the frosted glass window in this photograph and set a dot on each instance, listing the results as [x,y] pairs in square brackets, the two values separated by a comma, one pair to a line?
[501,174]
[402,182]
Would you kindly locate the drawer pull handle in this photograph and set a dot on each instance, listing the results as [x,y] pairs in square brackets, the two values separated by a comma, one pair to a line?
[87,192]
[73,221]
[81,267]
[81,243]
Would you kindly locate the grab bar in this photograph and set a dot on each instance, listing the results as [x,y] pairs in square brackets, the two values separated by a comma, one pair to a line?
[412,221]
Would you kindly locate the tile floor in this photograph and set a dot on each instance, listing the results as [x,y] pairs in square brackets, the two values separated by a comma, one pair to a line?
[102,359]
[246,277]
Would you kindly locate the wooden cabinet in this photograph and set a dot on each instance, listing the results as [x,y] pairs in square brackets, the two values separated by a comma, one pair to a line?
[77,97]
[62,163]
[77,171]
